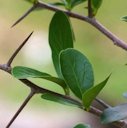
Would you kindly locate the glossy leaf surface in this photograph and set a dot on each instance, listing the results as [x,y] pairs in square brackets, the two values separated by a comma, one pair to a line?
[60,37]
[61,100]
[91,93]
[77,71]
[114,114]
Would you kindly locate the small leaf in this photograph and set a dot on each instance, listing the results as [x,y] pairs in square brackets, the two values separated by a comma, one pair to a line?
[61,100]
[91,93]
[60,37]
[124,18]
[82,126]
[70,4]
[77,2]
[77,71]
[25,72]
[96,4]
[57,4]
[114,114]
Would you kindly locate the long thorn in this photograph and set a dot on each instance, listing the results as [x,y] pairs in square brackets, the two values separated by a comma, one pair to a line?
[21,108]
[24,15]
[101,102]
[17,50]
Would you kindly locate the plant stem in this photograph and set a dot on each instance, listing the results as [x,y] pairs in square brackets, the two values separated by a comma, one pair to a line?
[117,41]
[37,89]
[90,13]
[21,107]
[105,105]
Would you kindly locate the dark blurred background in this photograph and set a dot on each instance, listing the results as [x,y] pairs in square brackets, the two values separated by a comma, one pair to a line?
[105,57]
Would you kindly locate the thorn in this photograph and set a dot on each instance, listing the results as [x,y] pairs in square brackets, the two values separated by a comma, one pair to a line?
[24,15]
[17,50]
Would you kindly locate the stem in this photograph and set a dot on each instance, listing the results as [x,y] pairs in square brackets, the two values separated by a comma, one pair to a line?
[37,89]
[17,51]
[105,105]
[21,108]
[93,22]
[90,13]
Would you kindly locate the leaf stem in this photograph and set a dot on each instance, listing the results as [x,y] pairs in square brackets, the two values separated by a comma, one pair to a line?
[21,107]
[90,12]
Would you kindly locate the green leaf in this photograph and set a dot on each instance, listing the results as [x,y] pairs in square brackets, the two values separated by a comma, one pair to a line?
[61,100]
[70,4]
[60,37]
[77,2]
[57,4]
[77,71]
[114,114]
[124,18]
[25,72]
[96,4]
[91,93]
[82,126]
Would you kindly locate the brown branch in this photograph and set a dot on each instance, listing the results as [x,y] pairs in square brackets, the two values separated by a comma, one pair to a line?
[91,21]
[101,102]
[117,41]
[21,108]
[37,89]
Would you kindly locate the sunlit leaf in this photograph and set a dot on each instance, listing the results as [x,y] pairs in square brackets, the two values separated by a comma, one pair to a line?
[60,37]
[114,114]
[25,72]
[91,93]
[77,71]
[82,126]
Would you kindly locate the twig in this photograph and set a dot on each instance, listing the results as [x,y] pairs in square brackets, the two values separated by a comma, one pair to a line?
[104,104]
[37,89]
[117,41]
[17,51]
[21,108]
[91,21]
